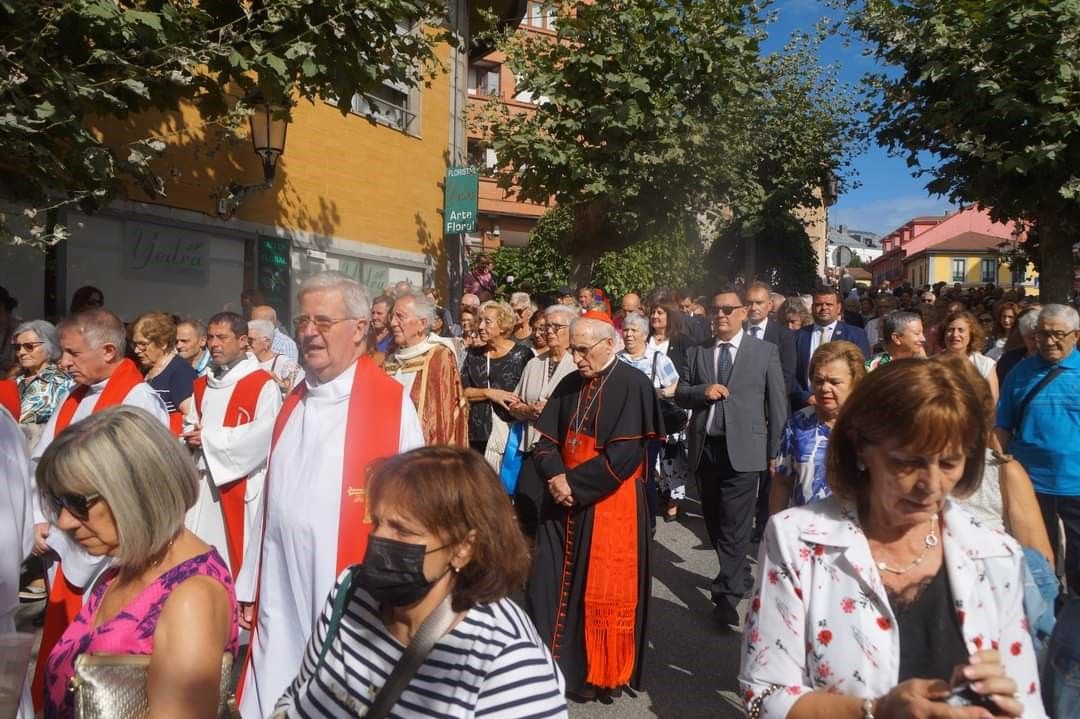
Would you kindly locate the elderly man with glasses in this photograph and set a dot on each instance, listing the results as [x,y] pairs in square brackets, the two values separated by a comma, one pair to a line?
[1038,424]
[314,520]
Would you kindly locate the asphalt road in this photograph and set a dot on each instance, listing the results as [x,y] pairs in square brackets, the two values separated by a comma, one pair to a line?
[691,664]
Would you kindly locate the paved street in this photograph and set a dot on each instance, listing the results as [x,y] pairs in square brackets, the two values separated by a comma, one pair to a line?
[691,665]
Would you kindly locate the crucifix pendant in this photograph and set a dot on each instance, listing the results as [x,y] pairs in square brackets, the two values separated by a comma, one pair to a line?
[573,443]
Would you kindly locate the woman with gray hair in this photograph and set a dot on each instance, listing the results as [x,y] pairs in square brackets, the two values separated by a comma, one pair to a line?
[42,384]
[167,594]
[667,463]
[281,367]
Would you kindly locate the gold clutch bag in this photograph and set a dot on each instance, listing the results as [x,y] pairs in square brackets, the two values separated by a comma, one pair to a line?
[113,686]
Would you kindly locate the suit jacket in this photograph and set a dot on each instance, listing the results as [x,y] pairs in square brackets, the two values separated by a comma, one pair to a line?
[803,339]
[784,339]
[755,412]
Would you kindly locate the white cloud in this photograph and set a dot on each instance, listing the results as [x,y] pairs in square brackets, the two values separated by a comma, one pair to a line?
[885,215]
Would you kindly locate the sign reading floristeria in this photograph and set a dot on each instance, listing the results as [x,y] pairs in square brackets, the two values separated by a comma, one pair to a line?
[462,192]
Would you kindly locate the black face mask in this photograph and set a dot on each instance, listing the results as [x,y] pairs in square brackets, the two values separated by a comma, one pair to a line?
[393,572]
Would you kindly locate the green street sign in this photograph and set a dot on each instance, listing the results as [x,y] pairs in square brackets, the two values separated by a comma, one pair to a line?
[462,192]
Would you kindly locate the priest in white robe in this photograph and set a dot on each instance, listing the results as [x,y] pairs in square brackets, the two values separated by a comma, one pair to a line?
[345,415]
[16,525]
[228,426]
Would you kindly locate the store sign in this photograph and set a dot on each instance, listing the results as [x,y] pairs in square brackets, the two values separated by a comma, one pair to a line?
[372,275]
[462,194]
[159,253]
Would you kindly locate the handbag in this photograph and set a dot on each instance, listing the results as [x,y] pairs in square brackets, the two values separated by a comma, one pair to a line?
[113,686]
[512,458]
[432,628]
[674,415]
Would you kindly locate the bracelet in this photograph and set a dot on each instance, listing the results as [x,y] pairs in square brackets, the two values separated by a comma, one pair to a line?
[868,708]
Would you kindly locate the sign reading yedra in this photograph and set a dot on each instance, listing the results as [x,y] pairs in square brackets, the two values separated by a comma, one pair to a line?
[460,200]
[159,253]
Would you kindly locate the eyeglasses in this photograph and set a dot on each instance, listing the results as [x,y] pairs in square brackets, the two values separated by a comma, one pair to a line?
[726,309]
[583,350]
[1056,335]
[77,505]
[553,327]
[322,324]
[26,346]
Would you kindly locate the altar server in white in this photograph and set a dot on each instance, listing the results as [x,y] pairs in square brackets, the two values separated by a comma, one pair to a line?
[229,427]
[314,520]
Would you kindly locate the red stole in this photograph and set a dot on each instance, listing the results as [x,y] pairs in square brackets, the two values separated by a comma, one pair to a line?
[65,599]
[9,398]
[375,396]
[611,582]
[239,411]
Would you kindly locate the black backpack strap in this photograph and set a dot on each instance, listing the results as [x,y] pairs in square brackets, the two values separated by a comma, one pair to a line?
[1047,379]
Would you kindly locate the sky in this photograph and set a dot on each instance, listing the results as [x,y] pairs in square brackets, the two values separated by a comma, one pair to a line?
[889,194]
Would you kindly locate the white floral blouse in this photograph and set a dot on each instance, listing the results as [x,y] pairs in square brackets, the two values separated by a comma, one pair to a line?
[820,619]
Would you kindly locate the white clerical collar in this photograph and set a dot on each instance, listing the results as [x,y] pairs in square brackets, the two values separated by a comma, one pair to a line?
[404,354]
[336,388]
[236,372]
[734,341]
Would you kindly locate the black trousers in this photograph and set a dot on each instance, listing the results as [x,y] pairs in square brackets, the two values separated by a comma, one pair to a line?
[728,501]
[1066,509]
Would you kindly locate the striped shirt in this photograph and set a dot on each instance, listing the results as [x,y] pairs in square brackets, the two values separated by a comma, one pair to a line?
[492,664]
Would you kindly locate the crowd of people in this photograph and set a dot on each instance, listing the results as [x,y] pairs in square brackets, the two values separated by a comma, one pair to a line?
[451,511]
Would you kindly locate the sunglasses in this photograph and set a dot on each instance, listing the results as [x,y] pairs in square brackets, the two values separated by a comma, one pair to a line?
[77,505]
[26,346]
[726,309]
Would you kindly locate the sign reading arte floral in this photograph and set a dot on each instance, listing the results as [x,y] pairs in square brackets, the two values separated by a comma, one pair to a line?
[462,194]
[159,253]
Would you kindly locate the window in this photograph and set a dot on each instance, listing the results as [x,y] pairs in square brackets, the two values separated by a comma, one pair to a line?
[989,270]
[959,269]
[479,155]
[1019,269]
[389,104]
[541,15]
[484,79]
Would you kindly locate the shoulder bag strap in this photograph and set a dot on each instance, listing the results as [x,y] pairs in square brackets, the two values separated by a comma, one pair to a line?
[436,625]
[340,600]
[655,359]
[1047,379]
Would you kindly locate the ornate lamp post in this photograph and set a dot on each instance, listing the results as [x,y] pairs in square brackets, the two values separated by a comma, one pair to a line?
[268,127]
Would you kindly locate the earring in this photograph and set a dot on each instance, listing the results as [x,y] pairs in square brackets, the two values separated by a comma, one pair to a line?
[860,465]
[457,570]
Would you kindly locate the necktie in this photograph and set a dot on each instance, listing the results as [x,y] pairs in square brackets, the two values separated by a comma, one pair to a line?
[723,374]
[755,331]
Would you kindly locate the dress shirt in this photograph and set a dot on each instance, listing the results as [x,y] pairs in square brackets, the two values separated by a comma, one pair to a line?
[733,343]
[760,327]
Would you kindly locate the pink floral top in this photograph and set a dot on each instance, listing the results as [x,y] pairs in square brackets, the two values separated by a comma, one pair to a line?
[131,631]
[820,619]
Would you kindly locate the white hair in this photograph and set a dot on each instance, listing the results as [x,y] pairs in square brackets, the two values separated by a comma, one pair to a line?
[637,321]
[46,334]
[357,302]
[519,298]
[423,308]
[1026,324]
[261,328]
[1064,312]
[598,329]
[565,311]
[98,327]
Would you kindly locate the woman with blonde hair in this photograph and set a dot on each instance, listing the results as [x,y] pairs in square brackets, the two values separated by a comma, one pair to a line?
[168,594]
[799,478]
[153,340]
[489,375]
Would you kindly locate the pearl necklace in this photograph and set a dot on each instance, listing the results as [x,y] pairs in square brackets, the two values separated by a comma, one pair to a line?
[930,542]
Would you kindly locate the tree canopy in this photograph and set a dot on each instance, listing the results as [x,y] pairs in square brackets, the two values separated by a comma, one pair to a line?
[647,111]
[67,62]
[982,97]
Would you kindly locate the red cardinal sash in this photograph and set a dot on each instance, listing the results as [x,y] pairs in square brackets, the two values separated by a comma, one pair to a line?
[239,411]
[375,399]
[65,599]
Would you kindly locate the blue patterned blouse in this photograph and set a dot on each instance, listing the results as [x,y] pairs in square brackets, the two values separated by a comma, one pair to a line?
[41,394]
[802,456]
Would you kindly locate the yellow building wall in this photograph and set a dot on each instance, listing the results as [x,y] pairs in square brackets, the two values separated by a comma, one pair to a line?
[340,175]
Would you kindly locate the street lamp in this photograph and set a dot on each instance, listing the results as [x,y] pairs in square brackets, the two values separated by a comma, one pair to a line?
[268,127]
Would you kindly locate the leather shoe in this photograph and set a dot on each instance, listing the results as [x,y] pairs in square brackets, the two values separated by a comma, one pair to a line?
[726,614]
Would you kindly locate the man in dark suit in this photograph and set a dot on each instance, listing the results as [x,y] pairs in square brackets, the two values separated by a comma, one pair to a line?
[735,387]
[697,327]
[759,326]
[826,309]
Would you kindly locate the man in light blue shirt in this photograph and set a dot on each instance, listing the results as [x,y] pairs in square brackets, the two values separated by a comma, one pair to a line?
[1044,436]
[281,343]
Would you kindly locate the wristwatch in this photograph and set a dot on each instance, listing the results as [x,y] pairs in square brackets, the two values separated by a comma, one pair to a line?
[868,708]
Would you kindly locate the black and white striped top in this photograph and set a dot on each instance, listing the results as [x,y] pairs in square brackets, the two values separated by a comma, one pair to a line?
[492,664]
